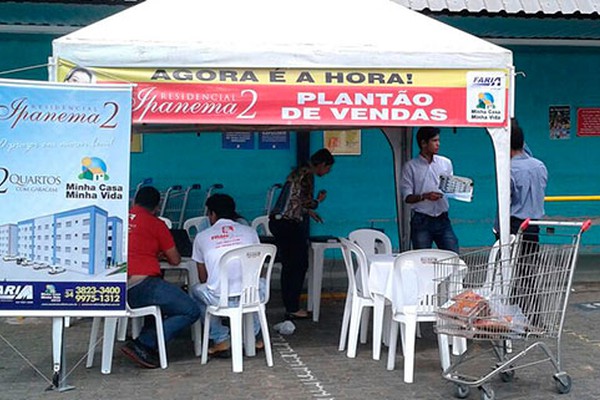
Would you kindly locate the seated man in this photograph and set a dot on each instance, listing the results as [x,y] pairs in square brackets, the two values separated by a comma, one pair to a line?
[149,241]
[209,246]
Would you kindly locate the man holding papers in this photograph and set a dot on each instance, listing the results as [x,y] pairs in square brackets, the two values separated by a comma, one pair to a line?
[420,188]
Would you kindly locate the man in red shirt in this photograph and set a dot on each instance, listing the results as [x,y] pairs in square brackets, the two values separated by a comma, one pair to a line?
[150,241]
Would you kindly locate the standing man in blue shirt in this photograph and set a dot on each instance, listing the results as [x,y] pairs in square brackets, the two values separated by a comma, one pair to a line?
[420,187]
[528,179]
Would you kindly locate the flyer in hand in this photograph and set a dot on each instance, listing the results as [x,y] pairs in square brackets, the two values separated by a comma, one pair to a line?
[456,187]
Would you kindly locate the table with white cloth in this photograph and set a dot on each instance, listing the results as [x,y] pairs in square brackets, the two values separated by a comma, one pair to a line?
[383,287]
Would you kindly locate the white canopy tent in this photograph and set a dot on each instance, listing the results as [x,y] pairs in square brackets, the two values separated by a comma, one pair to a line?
[366,35]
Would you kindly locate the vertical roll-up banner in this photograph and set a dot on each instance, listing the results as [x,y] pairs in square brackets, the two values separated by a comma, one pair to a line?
[64,184]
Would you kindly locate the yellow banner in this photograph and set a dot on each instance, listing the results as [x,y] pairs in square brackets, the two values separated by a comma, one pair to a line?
[277,76]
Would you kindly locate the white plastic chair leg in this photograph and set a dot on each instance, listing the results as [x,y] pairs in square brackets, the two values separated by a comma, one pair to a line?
[459,345]
[205,339]
[136,326]
[122,328]
[235,323]
[364,324]
[409,351]
[345,322]
[160,338]
[197,337]
[444,350]
[387,324]
[249,339]
[110,327]
[355,318]
[378,311]
[393,341]
[93,338]
[264,327]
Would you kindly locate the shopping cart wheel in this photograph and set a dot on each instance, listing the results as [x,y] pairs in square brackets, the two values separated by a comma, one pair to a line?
[461,391]
[486,393]
[563,383]
[507,376]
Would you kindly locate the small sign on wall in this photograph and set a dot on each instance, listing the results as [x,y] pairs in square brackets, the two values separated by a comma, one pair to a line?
[238,140]
[276,140]
[346,142]
[588,121]
[560,122]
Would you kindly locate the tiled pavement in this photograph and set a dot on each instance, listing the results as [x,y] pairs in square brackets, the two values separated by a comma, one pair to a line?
[307,365]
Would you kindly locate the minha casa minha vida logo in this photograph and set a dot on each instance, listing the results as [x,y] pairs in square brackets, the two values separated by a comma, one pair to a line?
[94,169]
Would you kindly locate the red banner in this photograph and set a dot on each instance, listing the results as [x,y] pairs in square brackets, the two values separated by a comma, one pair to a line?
[300,105]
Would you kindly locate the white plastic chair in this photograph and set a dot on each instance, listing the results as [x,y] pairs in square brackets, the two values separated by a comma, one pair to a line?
[109,336]
[261,225]
[195,225]
[255,261]
[372,241]
[358,296]
[137,323]
[167,222]
[409,315]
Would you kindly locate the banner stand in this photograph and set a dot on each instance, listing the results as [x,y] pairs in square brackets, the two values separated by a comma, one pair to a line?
[59,378]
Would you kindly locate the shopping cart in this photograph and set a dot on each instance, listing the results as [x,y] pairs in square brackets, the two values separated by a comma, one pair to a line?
[271,197]
[134,192]
[511,302]
[209,192]
[186,211]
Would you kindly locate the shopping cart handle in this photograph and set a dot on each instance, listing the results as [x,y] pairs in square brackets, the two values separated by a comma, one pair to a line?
[525,225]
[196,186]
[586,225]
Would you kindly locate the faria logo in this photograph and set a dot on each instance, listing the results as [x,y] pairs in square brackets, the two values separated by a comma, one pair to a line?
[16,292]
[485,101]
[490,81]
[93,169]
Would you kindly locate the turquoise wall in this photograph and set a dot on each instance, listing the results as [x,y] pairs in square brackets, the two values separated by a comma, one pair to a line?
[360,188]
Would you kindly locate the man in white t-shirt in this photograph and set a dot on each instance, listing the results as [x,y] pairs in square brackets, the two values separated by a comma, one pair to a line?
[209,246]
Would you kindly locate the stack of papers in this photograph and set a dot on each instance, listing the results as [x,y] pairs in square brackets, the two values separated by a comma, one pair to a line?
[456,187]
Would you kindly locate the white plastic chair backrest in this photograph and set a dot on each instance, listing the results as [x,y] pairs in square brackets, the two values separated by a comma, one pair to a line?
[256,261]
[371,241]
[423,273]
[357,268]
[195,225]
[261,225]
[167,222]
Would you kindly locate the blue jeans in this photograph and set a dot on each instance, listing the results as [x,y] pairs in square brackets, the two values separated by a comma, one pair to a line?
[205,297]
[425,230]
[178,309]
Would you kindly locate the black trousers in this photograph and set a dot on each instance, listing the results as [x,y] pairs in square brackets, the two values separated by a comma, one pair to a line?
[526,270]
[291,239]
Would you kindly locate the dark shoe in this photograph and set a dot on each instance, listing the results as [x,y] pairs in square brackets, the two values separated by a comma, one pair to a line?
[220,350]
[138,353]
